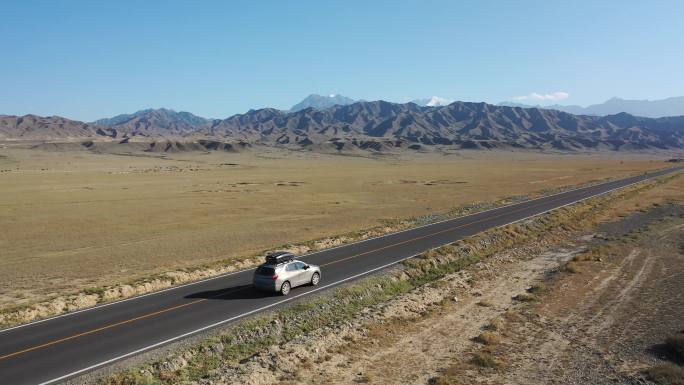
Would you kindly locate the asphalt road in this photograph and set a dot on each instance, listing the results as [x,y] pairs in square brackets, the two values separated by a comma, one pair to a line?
[59,348]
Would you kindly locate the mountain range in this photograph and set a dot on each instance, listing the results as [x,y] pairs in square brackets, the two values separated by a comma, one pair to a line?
[648,108]
[371,126]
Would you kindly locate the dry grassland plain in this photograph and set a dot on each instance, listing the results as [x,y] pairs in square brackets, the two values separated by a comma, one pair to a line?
[75,219]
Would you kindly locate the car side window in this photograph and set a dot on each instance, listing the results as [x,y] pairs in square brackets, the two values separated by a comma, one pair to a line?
[291,267]
[300,265]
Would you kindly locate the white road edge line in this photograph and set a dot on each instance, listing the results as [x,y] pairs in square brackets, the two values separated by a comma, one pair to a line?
[313,253]
[103,363]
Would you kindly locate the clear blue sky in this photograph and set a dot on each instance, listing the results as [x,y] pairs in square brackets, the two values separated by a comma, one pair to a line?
[90,59]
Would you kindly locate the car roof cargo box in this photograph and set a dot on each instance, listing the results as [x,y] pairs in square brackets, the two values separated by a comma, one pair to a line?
[279,257]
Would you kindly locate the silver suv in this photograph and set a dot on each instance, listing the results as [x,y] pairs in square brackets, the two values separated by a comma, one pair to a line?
[282,272]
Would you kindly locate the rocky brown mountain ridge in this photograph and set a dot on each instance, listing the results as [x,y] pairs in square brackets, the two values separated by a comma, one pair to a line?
[374,126]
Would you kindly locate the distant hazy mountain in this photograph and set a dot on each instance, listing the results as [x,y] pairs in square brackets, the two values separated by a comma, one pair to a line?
[155,121]
[571,109]
[372,126]
[648,108]
[320,102]
[434,101]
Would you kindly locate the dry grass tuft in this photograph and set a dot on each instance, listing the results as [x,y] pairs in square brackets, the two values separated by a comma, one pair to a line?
[484,360]
[538,288]
[512,316]
[572,268]
[495,324]
[525,297]
[365,378]
[485,303]
[488,338]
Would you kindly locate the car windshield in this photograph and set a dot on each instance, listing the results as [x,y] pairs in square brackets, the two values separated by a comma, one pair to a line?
[262,270]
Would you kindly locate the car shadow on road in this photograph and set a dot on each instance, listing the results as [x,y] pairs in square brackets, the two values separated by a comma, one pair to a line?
[232,293]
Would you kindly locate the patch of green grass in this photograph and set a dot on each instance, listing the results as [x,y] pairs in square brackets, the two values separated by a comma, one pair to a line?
[201,365]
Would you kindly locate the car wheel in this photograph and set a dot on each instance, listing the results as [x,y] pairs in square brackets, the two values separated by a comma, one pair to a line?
[315,279]
[285,288]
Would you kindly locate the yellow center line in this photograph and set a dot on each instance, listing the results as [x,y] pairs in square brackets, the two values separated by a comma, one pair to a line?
[115,325]
[204,299]
[100,329]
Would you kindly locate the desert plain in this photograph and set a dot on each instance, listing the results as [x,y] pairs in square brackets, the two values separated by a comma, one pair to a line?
[72,219]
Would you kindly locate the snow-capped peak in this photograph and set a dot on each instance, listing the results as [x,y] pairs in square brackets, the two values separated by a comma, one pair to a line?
[434,101]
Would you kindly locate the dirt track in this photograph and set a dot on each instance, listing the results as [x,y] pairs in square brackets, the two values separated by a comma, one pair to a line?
[605,324]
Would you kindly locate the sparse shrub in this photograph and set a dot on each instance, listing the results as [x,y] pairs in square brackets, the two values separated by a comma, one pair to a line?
[484,360]
[525,297]
[485,303]
[94,290]
[488,338]
[495,324]
[537,288]
[666,374]
[572,268]
[202,364]
[168,377]
[306,364]
[512,316]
